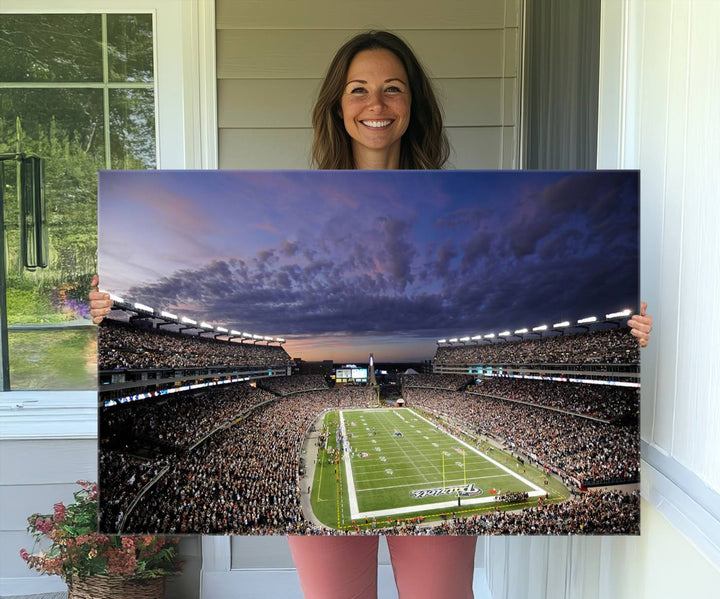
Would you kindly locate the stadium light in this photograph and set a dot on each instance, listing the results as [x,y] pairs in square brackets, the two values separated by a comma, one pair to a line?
[267,338]
[280,340]
[587,320]
[247,335]
[186,320]
[622,314]
[490,336]
[455,340]
[258,337]
[564,323]
[464,339]
[116,298]
[442,341]
[143,307]
[222,329]
[234,332]
[504,334]
[476,337]
[542,327]
[520,332]
[205,325]
[168,315]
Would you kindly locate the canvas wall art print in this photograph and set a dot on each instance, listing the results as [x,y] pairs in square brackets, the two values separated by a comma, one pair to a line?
[326,352]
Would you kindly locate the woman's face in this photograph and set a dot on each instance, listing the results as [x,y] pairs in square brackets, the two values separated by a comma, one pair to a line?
[375,103]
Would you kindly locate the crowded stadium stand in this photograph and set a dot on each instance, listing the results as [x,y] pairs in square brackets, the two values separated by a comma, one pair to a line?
[288,385]
[453,382]
[567,403]
[217,477]
[141,355]
[610,353]
[204,434]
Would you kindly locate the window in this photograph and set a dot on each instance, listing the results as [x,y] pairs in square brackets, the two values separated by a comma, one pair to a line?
[186,137]
[77,91]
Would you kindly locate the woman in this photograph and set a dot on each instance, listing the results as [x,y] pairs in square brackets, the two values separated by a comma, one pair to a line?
[377,110]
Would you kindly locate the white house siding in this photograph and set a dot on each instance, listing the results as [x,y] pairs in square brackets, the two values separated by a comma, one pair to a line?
[271,58]
[34,475]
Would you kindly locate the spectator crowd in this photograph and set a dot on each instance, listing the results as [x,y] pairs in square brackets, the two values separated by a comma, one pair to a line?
[287,385]
[608,346]
[605,402]
[121,345]
[574,447]
[454,382]
[244,479]
[605,512]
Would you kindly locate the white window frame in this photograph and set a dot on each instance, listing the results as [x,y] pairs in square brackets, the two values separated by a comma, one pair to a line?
[186,136]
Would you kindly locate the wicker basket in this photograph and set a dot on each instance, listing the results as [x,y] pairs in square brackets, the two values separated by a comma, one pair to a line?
[116,587]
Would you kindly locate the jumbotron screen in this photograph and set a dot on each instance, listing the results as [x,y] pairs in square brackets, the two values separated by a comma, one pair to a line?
[351,375]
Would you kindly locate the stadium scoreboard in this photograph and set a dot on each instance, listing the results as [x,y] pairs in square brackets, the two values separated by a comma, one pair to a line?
[345,376]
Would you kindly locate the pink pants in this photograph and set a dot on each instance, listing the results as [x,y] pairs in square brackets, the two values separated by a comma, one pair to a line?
[346,567]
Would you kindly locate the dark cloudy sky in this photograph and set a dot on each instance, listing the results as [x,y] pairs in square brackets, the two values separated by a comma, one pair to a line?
[342,264]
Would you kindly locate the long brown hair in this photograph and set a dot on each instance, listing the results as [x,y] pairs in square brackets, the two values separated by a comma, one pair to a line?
[424,144]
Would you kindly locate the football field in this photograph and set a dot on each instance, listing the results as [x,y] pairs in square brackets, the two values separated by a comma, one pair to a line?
[395,463]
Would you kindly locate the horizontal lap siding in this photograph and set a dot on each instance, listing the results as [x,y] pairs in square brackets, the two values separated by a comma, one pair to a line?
[35,475]
[307,54]
[349,14]
[271,59]
[287,103]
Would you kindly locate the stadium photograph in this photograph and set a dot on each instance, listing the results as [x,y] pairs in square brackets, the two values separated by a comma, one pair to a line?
[415,353]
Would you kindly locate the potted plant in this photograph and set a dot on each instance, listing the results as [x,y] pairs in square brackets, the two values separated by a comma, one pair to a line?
[93,565]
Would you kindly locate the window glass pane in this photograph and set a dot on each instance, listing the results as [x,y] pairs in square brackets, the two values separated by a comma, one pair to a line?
[56,120]
[50,48]
[132,128]
[65,127]
[53,359]
[130,47]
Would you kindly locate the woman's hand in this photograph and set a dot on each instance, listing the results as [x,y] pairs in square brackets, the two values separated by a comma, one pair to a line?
[100,302]
[641,325]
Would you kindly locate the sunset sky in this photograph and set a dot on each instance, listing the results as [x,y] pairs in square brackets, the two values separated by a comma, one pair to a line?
[344,263]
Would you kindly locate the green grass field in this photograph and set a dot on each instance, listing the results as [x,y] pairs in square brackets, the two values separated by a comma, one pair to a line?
[400,465]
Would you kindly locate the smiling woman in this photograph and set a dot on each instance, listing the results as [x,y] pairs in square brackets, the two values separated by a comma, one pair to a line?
[364,109]
[375,108]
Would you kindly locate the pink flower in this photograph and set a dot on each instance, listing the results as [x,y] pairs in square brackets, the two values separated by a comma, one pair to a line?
[24,555]
[59,509]
[121,562]
[44,526]
[53,565]
[128,543]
